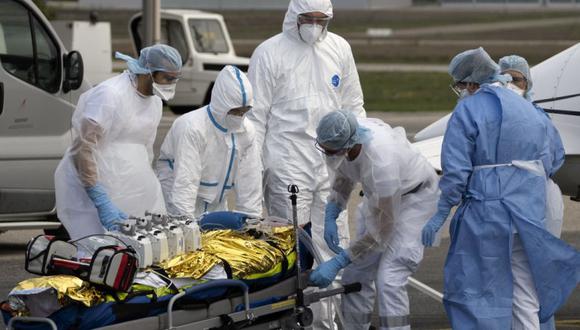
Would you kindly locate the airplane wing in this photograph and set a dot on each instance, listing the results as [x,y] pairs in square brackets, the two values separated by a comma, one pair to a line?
[431,149]
[556,89]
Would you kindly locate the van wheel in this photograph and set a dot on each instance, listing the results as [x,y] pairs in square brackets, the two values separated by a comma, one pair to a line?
[181,109]
[59,233]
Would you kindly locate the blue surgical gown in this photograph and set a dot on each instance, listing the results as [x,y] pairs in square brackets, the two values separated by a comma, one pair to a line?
[492,127]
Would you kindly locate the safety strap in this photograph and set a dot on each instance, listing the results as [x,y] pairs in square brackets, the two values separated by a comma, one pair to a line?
[357,318]
[394,321]
[227,323]
[129,311]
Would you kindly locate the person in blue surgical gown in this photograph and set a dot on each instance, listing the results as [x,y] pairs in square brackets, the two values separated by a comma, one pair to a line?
[517,67]
[495,161]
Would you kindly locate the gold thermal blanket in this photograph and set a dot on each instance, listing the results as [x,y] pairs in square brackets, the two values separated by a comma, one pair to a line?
[245,254]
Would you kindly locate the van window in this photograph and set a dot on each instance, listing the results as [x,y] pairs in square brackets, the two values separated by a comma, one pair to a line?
[208,36]
[172,34]
[26,49]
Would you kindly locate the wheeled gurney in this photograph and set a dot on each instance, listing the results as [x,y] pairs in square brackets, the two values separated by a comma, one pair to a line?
[219,304]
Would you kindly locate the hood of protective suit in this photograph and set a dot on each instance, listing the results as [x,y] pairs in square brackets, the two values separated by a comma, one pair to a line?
[231,90]
[297,7]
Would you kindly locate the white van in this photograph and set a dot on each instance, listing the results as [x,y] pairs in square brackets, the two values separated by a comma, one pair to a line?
[40,82]
[204,43]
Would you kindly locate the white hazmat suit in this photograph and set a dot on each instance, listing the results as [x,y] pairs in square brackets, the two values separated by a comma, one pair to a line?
[400,195]
[202,158]
[114,129]
[295,85]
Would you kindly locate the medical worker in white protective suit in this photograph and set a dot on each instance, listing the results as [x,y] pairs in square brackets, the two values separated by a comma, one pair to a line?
[210,151]
[298,76]
[400,195]
[517,67]
[106,174]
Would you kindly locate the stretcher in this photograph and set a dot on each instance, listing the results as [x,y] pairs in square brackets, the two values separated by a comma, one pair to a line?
[274,307]
[283,305]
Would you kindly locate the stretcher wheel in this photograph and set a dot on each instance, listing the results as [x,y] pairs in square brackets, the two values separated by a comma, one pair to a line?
[304,317]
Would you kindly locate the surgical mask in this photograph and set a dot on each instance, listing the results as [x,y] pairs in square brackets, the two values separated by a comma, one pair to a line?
[464,93]
[165,92]
[310,33]
[234,123]
[515,89]
[335,161]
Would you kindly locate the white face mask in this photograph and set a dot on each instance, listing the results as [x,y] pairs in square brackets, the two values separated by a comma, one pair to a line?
[165,92]
[515,89]
[335,161]
[234,123]
[464,93]
[310,33]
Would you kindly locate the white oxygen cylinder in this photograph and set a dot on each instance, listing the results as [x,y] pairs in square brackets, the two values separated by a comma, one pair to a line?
[192,235]
[145,251]
[140,243]
[155,248]
[156,238]
[178,239]
[161,223]
[163,245]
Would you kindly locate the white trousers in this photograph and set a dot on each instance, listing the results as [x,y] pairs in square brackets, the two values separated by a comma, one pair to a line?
[311,205]
[554,221]
[525,299]
[384,275]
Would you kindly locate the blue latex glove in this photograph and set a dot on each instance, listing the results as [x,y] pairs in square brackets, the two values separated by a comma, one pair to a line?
[434,224]
[330,229]
[109,214]
[326,272]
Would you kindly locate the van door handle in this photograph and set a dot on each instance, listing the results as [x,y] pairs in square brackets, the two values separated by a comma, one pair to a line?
[1,97]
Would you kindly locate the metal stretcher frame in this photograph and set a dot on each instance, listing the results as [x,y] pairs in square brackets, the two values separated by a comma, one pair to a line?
[223,312]
[188,319]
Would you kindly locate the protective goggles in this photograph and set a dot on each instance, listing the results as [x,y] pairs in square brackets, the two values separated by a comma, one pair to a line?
[327,151]
[334,152]
[165,78]
[309,19]
[517,80]
[460,86]
[240,111]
